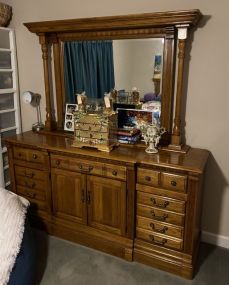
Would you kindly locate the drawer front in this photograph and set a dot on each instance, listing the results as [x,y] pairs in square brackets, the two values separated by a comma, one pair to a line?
[31,183]
[159,227]
[30,193]
[160,215]
[83,166]
[160,202]
[148,177]
[29,155]
[29,173]
[114,171]
[173,181]
[159,240]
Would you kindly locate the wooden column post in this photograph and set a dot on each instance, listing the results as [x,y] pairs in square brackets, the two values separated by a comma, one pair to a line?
[58,82]
[176,143]
[45,56]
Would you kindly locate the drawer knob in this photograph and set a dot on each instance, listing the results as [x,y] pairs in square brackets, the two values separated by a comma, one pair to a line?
[162,231]
[30,186]
[57,162]
[159,218]
[159,242]
[29,175]
[173,183]
[147,178]
[159,205]
[114,172]
[34,156]
[31,195]
[19,154]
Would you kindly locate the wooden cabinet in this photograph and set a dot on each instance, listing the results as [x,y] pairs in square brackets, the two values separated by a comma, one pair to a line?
[69,195]
[82,197]
[30,177]
[106,200]
[167,219]
[127,203]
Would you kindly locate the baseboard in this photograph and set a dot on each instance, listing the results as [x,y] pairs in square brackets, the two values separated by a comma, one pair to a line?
[215,239]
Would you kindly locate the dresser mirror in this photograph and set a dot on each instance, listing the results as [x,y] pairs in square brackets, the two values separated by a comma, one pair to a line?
[168,28]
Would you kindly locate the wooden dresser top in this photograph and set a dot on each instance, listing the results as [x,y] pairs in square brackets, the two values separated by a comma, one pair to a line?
[194,160]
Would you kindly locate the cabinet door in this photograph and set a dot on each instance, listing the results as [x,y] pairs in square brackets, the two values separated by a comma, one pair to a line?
[106,200]
[69,195]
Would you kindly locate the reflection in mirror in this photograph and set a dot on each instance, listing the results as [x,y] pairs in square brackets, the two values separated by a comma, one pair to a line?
[98,66]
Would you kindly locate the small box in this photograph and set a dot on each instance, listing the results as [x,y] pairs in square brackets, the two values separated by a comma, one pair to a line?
[96,130]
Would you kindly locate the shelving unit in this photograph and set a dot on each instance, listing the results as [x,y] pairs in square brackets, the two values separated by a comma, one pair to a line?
[10,123]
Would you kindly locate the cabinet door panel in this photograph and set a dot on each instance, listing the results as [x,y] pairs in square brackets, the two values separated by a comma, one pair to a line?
[69,194]
[106,204]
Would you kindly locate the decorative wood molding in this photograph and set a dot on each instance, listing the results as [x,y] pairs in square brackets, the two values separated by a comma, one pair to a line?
[176,135]
[45,57]
[134,21]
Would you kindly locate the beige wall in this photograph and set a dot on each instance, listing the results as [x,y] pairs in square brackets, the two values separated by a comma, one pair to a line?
[207,114]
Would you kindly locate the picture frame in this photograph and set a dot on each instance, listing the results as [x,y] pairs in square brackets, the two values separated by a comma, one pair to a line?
[69,117]
[132,118]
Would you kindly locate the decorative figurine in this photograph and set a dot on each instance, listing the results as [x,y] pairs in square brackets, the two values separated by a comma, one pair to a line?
[152,134]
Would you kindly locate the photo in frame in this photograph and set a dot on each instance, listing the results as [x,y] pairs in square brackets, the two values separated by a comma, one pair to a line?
[69,117]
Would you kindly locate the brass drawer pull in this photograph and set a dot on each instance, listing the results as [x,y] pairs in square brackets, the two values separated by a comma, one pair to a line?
[162,242]
[34,156]
[148,178]
[173,183]
[57,162]
[114,172]
[159,218]
[159,205]
[86,169]
[30,186]
[162,231]
[88,197]
[29,175]
[31,195]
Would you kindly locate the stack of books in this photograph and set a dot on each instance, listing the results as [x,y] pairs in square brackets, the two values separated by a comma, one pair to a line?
[128,135]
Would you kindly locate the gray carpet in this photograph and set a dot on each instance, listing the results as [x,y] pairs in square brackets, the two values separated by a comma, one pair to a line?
[61,262]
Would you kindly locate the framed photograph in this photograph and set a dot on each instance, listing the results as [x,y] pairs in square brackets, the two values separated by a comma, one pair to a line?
[69,117]
[131,118]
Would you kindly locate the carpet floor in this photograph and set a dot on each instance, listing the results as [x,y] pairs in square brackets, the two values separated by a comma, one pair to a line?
[64,263]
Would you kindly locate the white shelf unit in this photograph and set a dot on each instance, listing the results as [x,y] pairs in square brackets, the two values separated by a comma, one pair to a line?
[10,123]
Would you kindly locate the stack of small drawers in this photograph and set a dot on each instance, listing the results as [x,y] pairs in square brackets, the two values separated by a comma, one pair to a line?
[32,176]
[160,211]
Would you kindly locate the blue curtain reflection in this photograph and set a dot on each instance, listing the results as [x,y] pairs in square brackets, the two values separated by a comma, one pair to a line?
[88,66]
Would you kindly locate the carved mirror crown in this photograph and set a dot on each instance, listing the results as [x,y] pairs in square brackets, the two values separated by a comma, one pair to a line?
[171,26]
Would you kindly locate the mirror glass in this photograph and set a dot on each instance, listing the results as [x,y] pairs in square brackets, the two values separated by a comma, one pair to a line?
[98,66]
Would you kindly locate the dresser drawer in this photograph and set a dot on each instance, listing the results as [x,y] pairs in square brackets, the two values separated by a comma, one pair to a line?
[160,240]
[115,171]
[159,227]
[30,193]
[83,166]
[30,183]
[29,155]
[173,181]
[148,177]
[160,215]
[160,202]
[29,173]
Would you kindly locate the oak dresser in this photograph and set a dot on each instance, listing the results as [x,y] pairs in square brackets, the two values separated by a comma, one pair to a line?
[136,206]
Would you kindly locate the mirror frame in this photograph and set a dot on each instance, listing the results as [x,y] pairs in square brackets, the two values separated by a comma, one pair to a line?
[147,25]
